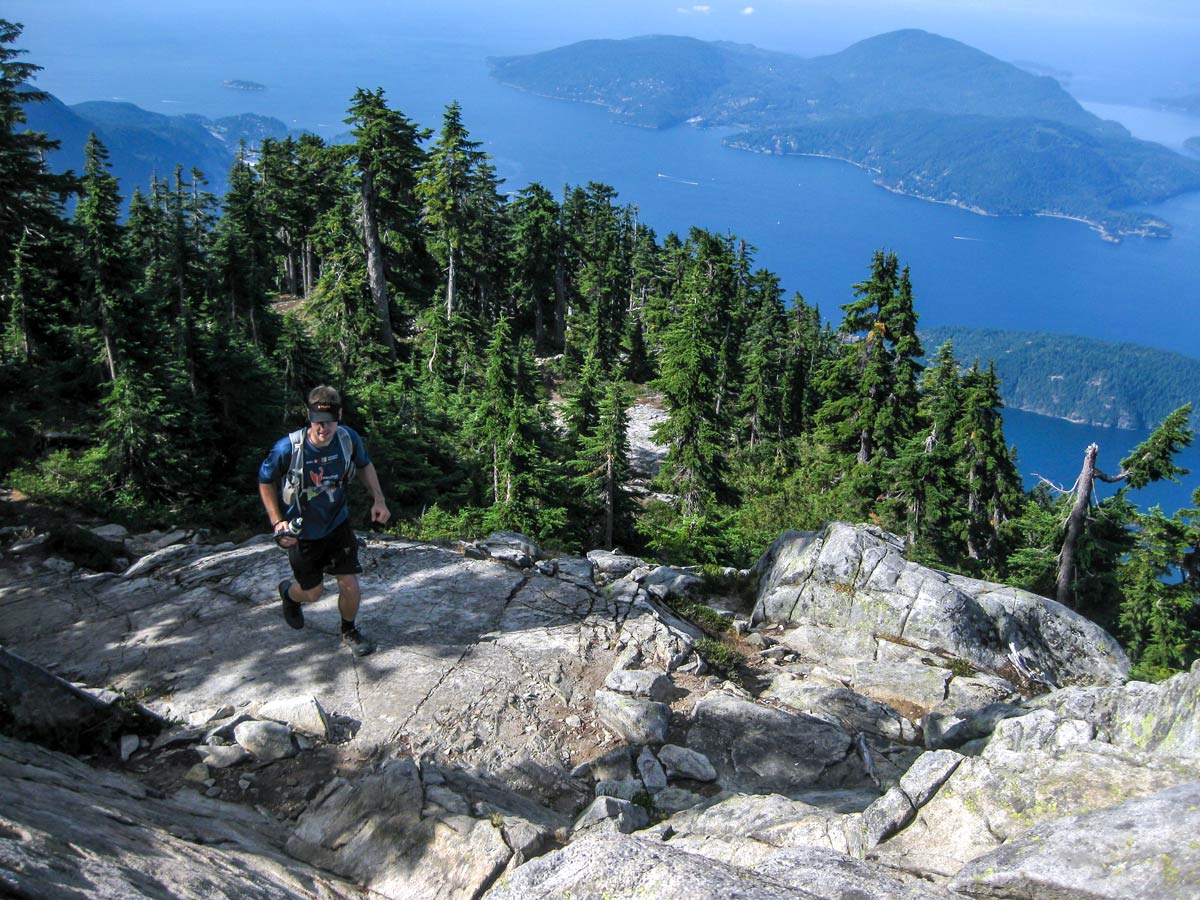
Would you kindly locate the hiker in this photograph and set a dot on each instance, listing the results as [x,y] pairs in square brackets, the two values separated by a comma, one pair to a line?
[302,483]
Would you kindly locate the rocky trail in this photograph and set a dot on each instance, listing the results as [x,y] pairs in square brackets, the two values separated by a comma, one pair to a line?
[536,727]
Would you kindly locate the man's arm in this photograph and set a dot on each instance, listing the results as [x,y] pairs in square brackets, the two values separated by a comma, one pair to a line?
[270,500]
[379,510]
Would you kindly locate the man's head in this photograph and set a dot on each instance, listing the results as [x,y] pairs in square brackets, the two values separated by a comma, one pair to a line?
[324,405]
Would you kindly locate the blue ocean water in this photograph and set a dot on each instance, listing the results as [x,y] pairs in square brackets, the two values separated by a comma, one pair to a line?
[815,222]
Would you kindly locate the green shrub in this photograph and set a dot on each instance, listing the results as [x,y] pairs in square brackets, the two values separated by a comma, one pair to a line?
[721,657]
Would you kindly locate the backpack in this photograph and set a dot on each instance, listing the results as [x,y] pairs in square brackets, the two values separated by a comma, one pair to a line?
[293,481]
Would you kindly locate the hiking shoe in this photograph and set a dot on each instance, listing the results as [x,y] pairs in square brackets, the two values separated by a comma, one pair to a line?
[292,613]
[356,643]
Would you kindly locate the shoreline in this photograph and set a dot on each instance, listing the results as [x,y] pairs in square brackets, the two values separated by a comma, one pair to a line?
[1104,231]
[1152,229]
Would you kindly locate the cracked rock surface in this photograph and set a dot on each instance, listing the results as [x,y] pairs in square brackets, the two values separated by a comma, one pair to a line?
[880,740]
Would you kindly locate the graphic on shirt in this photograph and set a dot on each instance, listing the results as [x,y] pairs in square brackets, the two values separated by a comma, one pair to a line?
[322,484]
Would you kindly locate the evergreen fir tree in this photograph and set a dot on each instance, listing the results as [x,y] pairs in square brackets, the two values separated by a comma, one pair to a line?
[602,464]
[385,158]
[105,273]
[449,179]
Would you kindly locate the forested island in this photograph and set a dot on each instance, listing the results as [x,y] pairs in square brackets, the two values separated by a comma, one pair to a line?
[491,344]
[1117,385]
[926,115]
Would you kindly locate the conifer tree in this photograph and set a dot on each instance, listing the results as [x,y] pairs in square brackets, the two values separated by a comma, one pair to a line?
[241,250]
[106,274]
[31,196]
[925,474]
[449,179]
[690,365]
[534,222]
[385,157]
[602,463]
[762,400]
[810,347]
[1159,617]
[985,464]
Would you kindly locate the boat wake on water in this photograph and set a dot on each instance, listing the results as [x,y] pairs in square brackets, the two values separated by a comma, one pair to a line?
[672,178]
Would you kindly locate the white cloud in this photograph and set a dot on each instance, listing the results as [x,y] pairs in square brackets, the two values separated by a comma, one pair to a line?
[748,11]
[703,8]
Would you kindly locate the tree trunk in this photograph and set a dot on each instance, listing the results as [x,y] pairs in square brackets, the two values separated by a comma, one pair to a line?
[308,278]
[610,500]
[1075,525]
[539,326]
[451,278]
[375,275]
[560,304]
[289,261]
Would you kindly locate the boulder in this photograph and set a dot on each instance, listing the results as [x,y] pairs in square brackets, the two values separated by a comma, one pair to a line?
[680,762]
[1144,848]
[665,582]
[1035,769]
[898,807]
[839,875]
[762,750]
[612,564]
[69,830]
[751,826]
[1162,719]
[636,721]
[640,683]
[36,705]
[841,705]
[622,867]
[856,580]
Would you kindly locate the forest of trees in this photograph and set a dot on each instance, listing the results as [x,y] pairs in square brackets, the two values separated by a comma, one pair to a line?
[490,345]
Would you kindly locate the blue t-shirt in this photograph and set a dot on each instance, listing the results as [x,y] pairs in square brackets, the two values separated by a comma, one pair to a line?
[321,501]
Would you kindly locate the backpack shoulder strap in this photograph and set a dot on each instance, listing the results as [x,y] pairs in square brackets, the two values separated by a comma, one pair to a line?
[347,446]
[293,479]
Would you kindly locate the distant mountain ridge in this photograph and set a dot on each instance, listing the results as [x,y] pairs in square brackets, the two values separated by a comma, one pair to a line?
[1079,379]
[929,116]
[143,144]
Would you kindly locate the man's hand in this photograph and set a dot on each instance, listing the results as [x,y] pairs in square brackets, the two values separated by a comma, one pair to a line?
[282,538]
[379,512]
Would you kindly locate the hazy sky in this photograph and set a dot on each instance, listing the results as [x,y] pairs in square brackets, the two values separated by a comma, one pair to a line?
[1118,50]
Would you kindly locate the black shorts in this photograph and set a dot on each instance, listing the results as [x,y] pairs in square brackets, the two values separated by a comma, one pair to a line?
[334,554]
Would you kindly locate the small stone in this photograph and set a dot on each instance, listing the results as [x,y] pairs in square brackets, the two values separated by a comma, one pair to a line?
[54,564]
[29,543]
[681,762]
[220,757]
[624,790]
[640,683]
[129,744]
[197,773]
[213,792]
[111,532]
[301,713]
[611,814]
[653,776]
[573,721]
[268,741]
